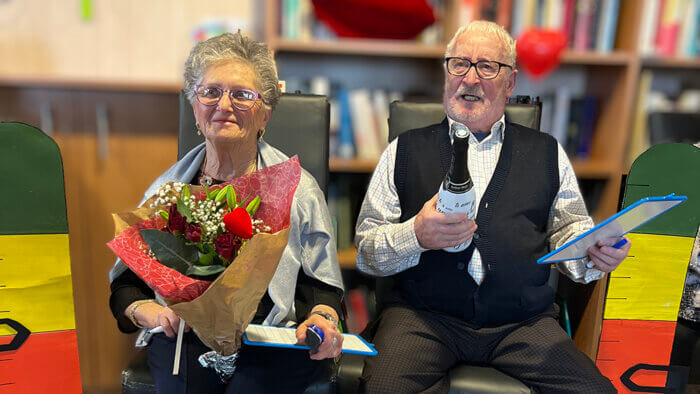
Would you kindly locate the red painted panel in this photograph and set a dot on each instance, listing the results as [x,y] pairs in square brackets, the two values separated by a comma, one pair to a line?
[624,343]
[45,363]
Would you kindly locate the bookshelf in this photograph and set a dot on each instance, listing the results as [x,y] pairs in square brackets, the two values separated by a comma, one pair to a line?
[611,77]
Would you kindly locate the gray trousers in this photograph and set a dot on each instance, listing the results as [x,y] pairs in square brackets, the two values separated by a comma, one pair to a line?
[417,348]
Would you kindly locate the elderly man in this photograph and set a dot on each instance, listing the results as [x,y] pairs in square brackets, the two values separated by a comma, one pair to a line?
[490,304]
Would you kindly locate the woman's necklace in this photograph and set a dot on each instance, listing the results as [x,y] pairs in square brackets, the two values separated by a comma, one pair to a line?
[206,180]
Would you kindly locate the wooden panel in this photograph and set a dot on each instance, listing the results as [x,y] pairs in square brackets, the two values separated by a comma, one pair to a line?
[588,333]
[94,189]
[126,40]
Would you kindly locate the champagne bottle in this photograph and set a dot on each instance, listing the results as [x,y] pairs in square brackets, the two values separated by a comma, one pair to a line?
[456,194]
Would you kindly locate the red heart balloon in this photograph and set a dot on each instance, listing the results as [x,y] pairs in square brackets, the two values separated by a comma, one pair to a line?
[539,51]
[239,223]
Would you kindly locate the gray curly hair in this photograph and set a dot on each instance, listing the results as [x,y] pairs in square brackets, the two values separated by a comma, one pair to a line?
[235,47]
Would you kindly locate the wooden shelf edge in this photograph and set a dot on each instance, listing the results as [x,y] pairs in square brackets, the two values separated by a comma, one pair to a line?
[593,58]
[337,164]
[356,46]
[671,62]
[91,84]
[376,47]
[347,257]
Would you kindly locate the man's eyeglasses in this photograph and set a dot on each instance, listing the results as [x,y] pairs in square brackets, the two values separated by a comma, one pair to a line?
[485,69]
[242,99]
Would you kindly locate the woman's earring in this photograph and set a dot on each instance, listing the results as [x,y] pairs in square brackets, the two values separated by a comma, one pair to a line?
[196,126]
[260,134]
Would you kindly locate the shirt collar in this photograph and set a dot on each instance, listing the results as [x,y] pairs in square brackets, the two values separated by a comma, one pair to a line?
[497,130]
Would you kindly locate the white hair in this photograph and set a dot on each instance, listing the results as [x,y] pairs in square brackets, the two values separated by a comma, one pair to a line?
[488,28]
[233,47]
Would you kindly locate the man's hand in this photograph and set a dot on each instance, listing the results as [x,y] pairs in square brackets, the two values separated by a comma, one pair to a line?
[606,258]
[436,230]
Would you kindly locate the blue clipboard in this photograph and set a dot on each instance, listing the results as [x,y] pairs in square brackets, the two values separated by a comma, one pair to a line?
[617,225]
[285,337]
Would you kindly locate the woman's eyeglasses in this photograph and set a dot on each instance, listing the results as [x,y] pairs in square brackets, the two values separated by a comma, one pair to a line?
[242,99]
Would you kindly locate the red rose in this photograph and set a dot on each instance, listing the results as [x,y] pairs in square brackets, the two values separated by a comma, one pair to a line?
[226,245]
[175,221]
[193,232]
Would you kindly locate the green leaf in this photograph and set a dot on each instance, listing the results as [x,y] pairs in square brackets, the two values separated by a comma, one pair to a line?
[212,195]
[204,270]
[164,214]
[231,198]
[222,194]
[207,258]
[253,206]
[171,251]
[184,210]
[186,192]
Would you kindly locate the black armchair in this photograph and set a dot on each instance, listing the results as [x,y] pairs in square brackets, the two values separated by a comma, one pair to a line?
[299,125]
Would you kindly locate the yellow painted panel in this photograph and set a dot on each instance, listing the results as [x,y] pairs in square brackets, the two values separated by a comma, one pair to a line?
[648,285]
[35,282]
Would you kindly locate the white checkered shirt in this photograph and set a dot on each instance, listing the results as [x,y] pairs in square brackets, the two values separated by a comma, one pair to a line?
[387,246]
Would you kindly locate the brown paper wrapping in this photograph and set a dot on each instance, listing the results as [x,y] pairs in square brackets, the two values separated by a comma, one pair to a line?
[220,315]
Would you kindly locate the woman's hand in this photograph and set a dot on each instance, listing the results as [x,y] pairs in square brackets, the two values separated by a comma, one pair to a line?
[332,338]
[152,315]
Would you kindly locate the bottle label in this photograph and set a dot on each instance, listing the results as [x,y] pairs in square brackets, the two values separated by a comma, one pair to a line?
[449,202]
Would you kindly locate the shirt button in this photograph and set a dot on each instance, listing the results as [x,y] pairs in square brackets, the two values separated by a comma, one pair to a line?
[476,236]
[486,205]
[491,267]
[460,266]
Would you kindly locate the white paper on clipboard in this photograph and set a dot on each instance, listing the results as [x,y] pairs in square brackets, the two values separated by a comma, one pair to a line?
[617,225]
[285,337]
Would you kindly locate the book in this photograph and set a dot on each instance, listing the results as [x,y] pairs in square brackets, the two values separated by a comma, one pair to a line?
[364,125]
[346,145]
[585,13]
[648,27]
[689,29]
[608,26]
[569,21]
[669,27]
[560,118]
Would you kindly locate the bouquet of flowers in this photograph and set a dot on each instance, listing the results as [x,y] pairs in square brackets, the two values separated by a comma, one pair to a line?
[184,237]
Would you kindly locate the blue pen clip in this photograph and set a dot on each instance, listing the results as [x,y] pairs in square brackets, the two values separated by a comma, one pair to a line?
[617,245]
[314,337]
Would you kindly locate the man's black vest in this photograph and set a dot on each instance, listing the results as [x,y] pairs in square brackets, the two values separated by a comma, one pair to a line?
[511,235]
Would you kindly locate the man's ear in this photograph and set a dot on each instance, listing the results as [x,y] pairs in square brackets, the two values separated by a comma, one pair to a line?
[511,82]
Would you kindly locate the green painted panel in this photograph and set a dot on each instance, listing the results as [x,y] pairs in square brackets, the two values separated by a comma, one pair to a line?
[33,199]
[662,170]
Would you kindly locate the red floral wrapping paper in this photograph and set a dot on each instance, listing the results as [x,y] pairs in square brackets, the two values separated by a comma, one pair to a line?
[275,185]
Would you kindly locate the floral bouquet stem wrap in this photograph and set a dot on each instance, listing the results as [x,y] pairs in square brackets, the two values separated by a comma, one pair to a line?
[218,311]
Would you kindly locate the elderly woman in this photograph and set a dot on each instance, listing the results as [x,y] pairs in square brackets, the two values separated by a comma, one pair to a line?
[231,82]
